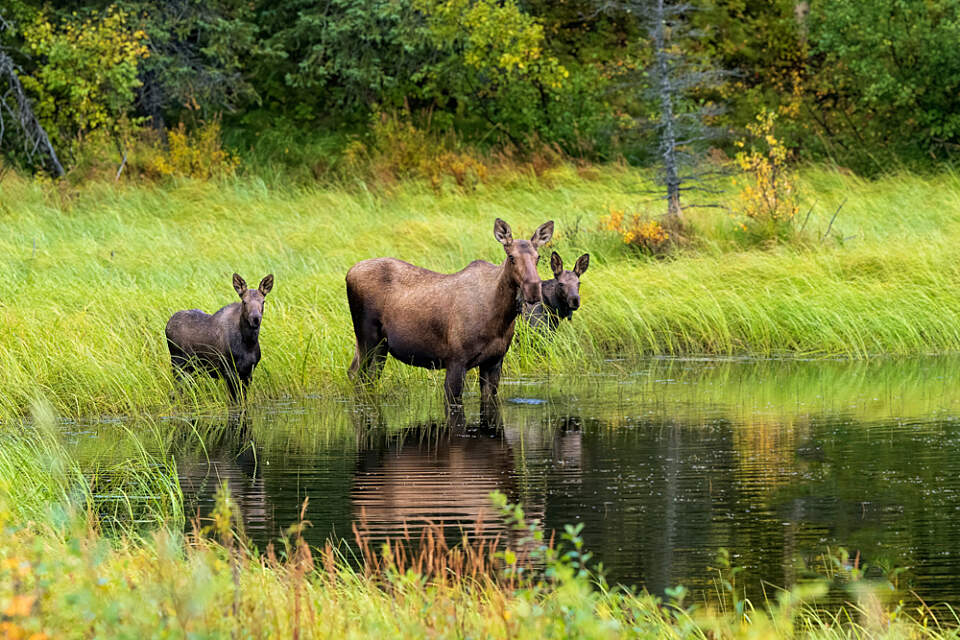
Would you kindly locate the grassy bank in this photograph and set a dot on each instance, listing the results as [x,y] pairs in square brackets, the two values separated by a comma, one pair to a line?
[199,589]
[92,276]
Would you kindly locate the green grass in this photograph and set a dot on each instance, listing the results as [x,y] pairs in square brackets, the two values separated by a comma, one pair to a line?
[91,276]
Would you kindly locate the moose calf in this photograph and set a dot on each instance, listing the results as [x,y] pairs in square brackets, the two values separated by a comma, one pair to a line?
[226,344]
[561,296]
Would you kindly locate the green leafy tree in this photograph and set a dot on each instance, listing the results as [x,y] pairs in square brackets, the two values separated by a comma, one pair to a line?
[339,58]
[86,72]
[199,56]
[888,76]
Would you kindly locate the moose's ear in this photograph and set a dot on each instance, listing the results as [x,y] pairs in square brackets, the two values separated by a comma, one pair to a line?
[239,284]
[502,232]
[556,264]
[266,284]
[582,263]
[542,235]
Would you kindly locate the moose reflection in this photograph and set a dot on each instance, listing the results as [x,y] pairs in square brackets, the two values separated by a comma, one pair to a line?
[437,475]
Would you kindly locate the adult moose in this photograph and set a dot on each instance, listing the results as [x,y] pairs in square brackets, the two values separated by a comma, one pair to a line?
[561,295]
[454,321]
[226,344]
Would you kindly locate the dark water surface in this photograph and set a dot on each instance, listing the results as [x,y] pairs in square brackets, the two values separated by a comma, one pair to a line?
[665,463]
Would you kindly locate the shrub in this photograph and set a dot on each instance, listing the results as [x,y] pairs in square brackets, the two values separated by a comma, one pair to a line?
[640,232]
[769,198]
[195,154]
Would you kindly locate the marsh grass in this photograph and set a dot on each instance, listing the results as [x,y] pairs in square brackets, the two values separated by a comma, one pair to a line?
[92,275]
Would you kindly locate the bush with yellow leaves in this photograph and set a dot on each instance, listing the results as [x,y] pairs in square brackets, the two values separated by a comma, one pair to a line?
[769,197]
[399,149]
[640,232]
[195,154]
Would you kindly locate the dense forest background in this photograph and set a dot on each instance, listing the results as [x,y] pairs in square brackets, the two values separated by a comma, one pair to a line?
[193,86]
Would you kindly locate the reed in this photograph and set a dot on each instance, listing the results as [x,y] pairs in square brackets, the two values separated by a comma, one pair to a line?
[93,274]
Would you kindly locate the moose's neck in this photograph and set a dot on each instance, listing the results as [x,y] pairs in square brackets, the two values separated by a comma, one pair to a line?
[505,307]
[249,334]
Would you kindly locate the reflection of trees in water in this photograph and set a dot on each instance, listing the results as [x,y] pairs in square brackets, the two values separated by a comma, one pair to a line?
[648,495]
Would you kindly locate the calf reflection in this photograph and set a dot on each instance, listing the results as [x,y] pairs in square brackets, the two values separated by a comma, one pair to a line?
[228,457]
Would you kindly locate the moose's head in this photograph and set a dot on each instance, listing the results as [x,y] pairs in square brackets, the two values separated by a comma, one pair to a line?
[568,282]
[522,257]
[251,300]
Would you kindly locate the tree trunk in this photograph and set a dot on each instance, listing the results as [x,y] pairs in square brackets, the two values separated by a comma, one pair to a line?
[668,136]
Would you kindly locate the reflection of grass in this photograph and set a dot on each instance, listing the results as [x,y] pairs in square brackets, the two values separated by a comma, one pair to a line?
[123,486]
[83,314]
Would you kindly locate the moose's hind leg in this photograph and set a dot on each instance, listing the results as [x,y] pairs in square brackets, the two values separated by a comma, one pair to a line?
[179,365]
[490,379]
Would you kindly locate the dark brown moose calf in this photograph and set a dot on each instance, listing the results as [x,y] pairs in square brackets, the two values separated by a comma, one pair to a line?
[561,295]
[454,321]
[226,344]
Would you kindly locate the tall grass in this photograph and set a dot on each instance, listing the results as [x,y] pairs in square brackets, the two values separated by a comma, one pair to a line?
[92,275]
[121,490]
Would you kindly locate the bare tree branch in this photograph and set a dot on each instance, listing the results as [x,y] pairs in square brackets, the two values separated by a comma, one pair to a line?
[15,103]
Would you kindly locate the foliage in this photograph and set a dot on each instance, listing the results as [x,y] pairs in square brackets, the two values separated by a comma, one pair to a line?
[194,154]
[867,84]
[641,232]
[495,59]
[198,57]
[765,44]
[888,75]
[769,200]
[89,72]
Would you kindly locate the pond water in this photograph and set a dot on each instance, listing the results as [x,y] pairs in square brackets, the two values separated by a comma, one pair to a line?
[665,462]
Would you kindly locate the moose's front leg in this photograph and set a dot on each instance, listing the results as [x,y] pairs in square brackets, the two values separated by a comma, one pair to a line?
[490,380]
[453,385]
[232,378]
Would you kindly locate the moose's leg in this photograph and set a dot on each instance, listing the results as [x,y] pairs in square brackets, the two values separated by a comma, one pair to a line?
[233,383]
[490,379]
[371,352]
[453,384]
[180,365]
